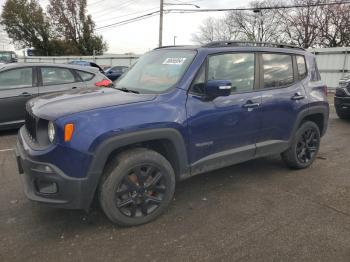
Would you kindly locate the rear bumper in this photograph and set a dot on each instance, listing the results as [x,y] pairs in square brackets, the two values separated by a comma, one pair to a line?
[342,103]
[46,183]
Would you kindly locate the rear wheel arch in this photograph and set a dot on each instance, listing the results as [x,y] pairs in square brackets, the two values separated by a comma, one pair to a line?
[317,118]
[318,114]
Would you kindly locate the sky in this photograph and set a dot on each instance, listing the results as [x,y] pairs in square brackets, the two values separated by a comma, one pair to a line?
[141,36]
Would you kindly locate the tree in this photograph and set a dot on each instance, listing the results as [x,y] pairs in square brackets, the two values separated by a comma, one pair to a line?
[67,30]
[261,26]
[334,25]
[27,25]
[301,25]
[214,30]
[307,26]
[75,26]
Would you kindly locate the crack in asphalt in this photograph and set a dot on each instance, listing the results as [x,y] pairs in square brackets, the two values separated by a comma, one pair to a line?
[319,203]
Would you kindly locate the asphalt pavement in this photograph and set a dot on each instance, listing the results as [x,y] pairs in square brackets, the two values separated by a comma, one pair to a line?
[255,211]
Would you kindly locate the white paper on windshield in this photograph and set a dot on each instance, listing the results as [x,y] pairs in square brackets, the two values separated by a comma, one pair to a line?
[174,61]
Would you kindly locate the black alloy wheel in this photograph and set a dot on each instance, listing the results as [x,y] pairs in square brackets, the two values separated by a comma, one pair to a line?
[137,187]
[141,191]
[303,147]
[307,145]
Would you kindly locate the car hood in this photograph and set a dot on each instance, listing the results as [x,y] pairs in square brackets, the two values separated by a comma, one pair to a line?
[55,105]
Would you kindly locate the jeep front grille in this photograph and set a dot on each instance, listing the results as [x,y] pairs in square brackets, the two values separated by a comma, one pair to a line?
[31,125]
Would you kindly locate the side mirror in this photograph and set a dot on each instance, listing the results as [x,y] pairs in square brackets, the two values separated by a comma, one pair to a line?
[216,88]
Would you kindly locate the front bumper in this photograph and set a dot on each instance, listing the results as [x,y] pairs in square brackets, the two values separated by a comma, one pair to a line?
[46,183]
[342,103]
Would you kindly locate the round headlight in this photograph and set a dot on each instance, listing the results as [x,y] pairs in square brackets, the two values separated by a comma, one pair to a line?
[51,131]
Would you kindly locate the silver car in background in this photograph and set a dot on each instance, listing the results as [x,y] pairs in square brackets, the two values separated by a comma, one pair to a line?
[21,82]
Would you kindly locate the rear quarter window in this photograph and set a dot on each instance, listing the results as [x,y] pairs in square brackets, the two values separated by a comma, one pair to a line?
[85,76]
[314,73]
[302,70]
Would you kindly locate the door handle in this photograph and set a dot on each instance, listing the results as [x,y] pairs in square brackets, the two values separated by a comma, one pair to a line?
[26,94]
[250,104]
[74,87]
[297,96]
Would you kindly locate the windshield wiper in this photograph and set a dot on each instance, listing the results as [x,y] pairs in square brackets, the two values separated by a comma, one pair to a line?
[124,89]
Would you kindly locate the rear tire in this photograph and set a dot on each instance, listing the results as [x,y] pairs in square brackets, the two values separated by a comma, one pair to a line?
[304,147]
[137,187]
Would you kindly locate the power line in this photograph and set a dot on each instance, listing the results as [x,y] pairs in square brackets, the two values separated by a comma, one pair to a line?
[104,29]
[138,18]
[254,8]
[121,6]
[127,21]
[135,13]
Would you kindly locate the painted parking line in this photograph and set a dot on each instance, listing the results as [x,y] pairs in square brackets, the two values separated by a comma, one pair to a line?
[7,150]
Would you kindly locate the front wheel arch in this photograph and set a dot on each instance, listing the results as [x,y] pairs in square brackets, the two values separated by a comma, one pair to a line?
[117,144]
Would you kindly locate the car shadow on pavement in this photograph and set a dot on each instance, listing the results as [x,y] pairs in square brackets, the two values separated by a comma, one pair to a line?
[189,194]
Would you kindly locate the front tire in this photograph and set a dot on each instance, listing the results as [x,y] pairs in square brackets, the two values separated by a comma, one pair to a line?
[304,148]
[137,187]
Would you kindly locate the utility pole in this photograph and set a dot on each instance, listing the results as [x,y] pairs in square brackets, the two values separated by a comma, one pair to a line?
[260,23]
[161,11]
[175,40]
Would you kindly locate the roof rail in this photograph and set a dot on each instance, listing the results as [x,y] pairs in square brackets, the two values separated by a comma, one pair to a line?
[250,43]
[167,46]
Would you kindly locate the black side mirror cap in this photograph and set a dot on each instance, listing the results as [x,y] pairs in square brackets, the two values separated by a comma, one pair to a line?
[217,88]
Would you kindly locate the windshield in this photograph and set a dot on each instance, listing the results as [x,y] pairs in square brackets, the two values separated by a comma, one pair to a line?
[157,71]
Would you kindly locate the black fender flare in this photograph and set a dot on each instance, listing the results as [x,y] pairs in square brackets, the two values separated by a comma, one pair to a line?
[106,148]
[324,110]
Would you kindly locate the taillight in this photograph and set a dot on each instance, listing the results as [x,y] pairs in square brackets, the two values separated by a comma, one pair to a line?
[104,83]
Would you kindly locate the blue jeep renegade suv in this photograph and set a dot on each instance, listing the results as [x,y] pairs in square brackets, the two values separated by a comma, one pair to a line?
[178,112]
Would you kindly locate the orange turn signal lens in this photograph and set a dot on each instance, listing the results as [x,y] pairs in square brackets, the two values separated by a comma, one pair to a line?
[68,132]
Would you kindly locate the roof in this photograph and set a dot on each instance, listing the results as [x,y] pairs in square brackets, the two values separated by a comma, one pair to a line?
[238,45]
[251,44]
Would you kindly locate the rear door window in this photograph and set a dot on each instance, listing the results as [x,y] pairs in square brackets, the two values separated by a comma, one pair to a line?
[56,76]
[16,78]
[278,70]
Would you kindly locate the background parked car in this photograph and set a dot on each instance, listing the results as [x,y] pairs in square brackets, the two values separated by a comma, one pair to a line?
[115,72]
[21,82]
[342,98]
[8,57]
[86,63]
